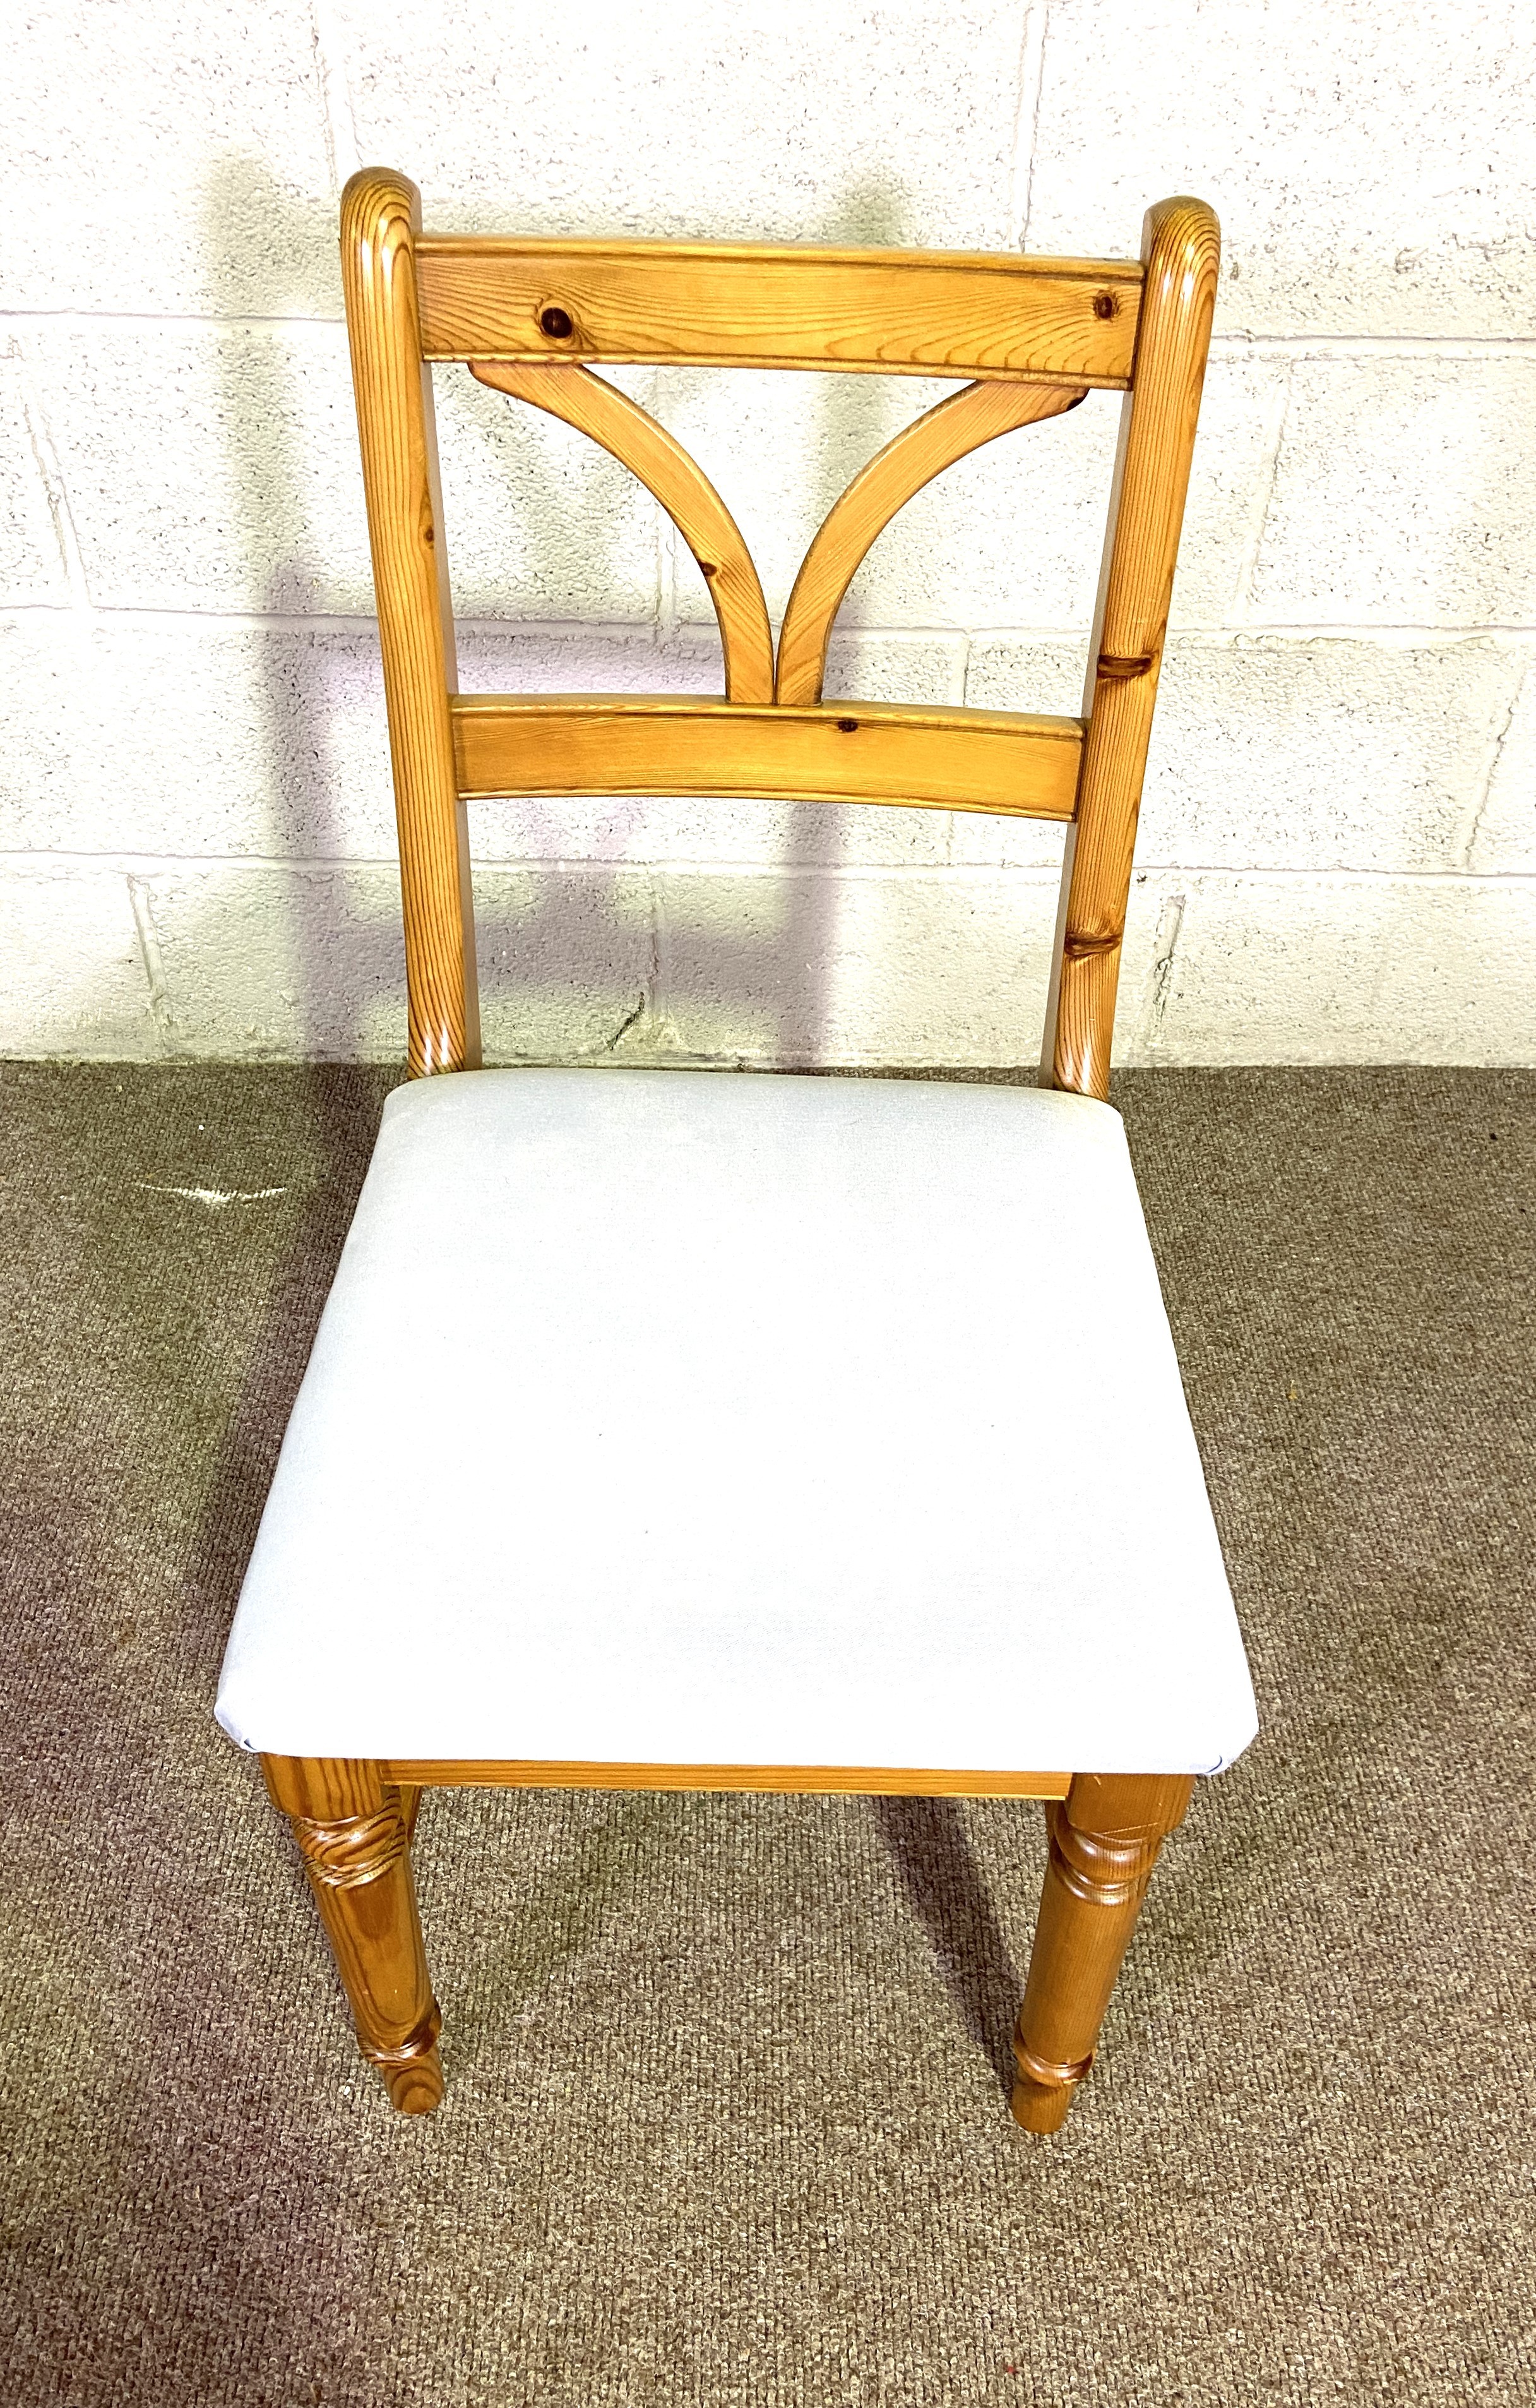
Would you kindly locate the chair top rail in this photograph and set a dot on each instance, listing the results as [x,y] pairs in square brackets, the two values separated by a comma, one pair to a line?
[764,305]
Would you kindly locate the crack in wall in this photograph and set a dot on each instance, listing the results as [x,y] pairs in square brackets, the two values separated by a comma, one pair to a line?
[1160,983]
[51,477]
[342,155]
[1274,435]
[1032,85]
[1496,753]
[629,1021]
[655,1031]
[152,959]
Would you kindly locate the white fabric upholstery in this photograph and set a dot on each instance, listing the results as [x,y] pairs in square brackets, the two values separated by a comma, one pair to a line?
[689,1417]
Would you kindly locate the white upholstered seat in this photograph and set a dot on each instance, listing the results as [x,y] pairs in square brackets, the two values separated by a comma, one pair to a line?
[691,1417]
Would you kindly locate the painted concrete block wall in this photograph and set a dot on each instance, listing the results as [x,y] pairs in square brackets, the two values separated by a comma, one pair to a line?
[1338,859]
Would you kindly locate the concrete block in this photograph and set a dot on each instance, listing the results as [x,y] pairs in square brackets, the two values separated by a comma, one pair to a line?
[175,158]
[190,738]
[768,120]
[1404,494]
[186,736]
[216,468]
[1011,537]
[211,467]
[256,497]
[1240,413]
[866,665]
[1026,673]
[542,522]
[32,567]
[500,656]
[266,963]
[72,975]
[1301,968]
[1324,754]
[901,967]
[48,710]
[306,961]
[1502,837]
[1273,752]
[568,963]
[1371,167]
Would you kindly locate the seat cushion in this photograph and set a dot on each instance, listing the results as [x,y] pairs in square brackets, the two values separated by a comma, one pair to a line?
[692,1418]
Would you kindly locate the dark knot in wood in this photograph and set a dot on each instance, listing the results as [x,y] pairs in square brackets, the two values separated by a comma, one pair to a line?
[848,726]
[556,322]
[346,1856]
[1124,664]
[1104,305]
[1081,949]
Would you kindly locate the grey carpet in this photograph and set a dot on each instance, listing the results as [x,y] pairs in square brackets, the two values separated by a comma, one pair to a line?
[726,2120]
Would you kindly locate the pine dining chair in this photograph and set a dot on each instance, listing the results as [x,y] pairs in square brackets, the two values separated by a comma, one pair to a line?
[671,1430]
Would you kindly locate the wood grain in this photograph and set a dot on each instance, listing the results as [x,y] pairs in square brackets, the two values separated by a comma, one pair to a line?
[380,219]
[359,1872]
[999,761]
[1147,511]
[856,1780]
[977,414]
[763,305]
[684,491]
[325,1788]
[1104,1839]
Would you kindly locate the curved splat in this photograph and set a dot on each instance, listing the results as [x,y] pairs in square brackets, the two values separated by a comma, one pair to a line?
[941,437]
[684,491]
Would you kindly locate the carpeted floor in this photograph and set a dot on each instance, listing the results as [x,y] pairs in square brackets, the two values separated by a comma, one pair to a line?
[726,2120]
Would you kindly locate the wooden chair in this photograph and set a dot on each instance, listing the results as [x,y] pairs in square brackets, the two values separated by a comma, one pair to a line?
[667,1429]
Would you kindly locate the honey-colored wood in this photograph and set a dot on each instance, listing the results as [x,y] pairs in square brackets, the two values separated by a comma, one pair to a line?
[795,1780]
[359,1871]
[830,753]
[1104,1839]
[977,414]
[1183,253]
[1035,335]
[409,1799]
[684,491]
[380,221]
[323,1788]
[772,305]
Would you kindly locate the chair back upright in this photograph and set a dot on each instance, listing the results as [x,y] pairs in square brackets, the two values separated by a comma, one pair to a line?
[529,318]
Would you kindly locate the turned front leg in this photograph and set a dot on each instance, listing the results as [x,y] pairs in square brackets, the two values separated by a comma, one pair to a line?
[1104,1839]
[357,1860]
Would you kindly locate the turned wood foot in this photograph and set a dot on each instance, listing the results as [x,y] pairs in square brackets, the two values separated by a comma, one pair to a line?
[360,1870]
[1104,1839]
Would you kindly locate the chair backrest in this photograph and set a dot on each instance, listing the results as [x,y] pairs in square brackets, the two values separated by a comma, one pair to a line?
[1034,334]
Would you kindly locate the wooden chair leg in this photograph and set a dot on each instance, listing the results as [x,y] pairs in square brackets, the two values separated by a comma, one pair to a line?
[353,1832]
[1105,1842]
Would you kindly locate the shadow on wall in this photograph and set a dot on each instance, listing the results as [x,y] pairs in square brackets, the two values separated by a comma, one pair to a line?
[576,961]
